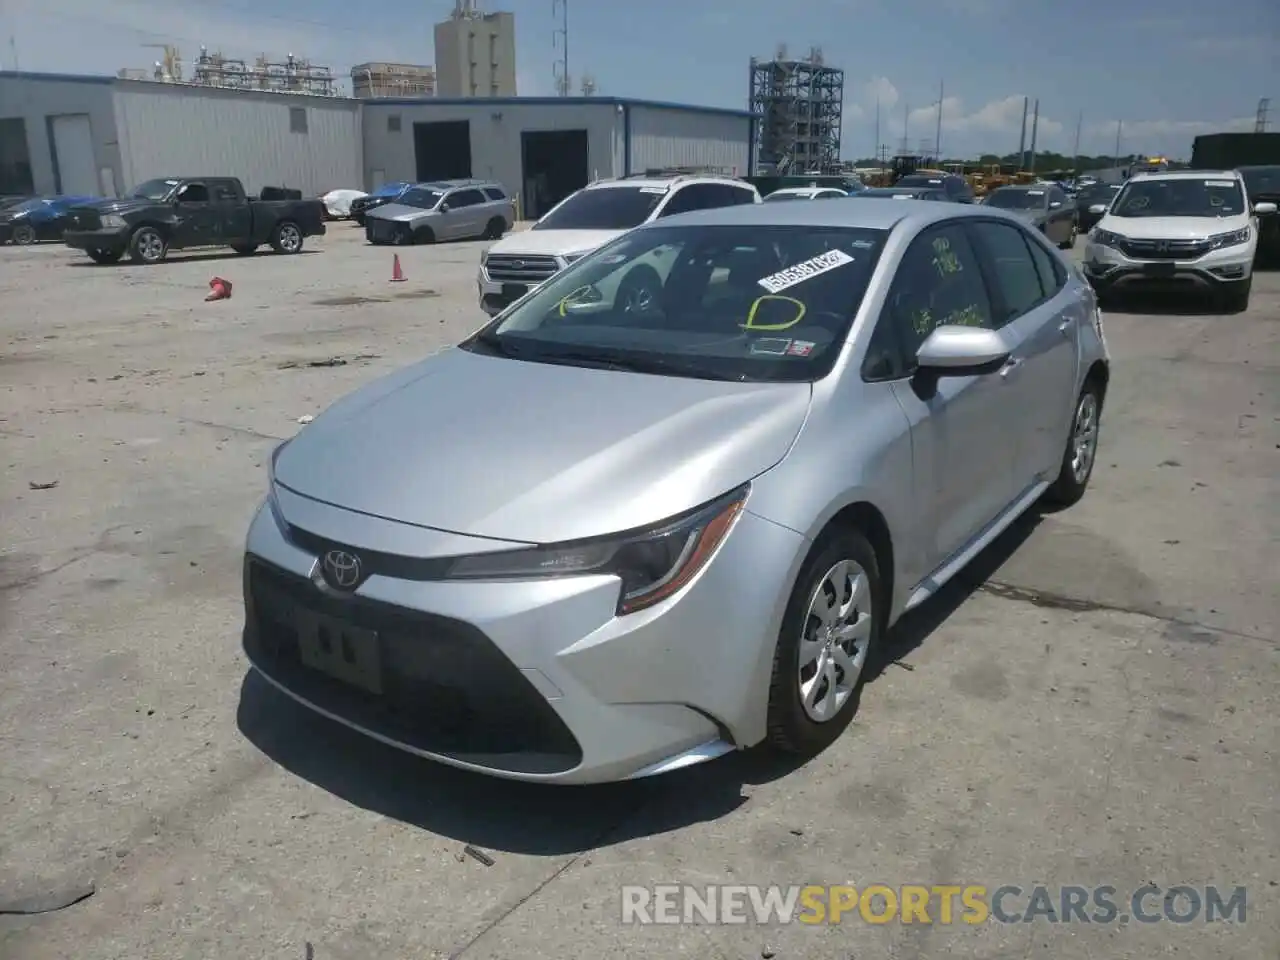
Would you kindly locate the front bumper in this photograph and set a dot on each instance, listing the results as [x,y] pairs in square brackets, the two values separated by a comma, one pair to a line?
[116,240]
[382,232]
[531,680]
[1110,269]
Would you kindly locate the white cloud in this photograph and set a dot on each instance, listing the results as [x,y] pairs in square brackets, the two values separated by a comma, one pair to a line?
[860,100]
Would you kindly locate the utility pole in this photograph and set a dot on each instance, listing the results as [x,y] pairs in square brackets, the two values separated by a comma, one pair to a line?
[1075,159]
[906,120]
[877,126]
[1035,126]
[1119,127]
[937,140]
[1022,140]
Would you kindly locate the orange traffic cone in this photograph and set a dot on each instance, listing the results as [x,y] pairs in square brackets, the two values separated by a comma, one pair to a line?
[397,274]
[219,289]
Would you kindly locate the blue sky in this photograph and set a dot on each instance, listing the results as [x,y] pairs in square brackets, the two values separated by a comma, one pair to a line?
[1168,70]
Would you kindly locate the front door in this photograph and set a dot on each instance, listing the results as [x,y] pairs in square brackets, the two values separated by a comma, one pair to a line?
[196,218]
[962,451]
[1040,323]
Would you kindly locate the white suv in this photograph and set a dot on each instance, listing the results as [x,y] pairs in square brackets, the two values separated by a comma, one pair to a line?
[1177,230]
[587,220]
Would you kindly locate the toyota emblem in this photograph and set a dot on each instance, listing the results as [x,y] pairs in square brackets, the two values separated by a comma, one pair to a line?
[342,569]
[517,264]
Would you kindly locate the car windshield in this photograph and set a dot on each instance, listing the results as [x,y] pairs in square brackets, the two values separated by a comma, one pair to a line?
[420,197]
[604,208]
[153,189]
[1016,199]
[1180,197]
[713,302]
[920,180]
[1261,180]
[390,189]
[906,194]
[1099,192]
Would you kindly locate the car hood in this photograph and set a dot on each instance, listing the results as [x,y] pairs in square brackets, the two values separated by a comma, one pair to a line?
[1172,228]
[398,211]
[113,205]
[553,242]
[536,452]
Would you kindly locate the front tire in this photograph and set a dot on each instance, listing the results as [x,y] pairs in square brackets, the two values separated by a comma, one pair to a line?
[1070,242]
[24,235]
[424,235]
[1236,299]
[494,229]
[286,238]
[147,246]
[833,622]
[1082,449]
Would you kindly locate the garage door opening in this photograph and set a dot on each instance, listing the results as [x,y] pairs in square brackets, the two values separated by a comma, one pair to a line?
[15,159]
[555,164]
[71,150]
[442,150]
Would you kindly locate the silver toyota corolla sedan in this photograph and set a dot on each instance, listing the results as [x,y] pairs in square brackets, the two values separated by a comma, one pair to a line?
[666,505]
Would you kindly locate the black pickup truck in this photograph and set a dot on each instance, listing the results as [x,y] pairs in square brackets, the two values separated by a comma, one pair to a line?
[178,213]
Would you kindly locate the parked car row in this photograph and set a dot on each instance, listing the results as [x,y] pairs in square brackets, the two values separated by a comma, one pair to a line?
[28,220]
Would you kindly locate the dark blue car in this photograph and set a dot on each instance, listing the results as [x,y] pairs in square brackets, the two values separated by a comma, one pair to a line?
[37,219]
[383,195]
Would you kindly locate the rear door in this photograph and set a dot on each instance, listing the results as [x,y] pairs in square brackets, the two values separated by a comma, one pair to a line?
[233,219]
[962,454]
[1039,321]
[1062,215]
[196,217]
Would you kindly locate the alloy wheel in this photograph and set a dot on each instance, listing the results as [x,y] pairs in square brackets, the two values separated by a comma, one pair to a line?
[837,635]
[1084,437]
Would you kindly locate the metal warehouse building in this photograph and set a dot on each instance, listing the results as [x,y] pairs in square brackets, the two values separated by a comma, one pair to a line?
[545,148]
[101,135]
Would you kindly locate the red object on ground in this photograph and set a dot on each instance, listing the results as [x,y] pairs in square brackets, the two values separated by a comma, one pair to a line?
[396,273]
[219,289]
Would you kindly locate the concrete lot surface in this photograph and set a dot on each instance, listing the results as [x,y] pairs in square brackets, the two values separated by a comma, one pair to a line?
[1096,704]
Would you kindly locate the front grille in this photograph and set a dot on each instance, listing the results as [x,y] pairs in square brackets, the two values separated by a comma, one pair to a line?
[381,231]
[1165,249]
[513,268]
[446,689]
[82,218]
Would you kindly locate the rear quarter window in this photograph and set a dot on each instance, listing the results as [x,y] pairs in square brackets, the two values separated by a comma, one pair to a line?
[493,193]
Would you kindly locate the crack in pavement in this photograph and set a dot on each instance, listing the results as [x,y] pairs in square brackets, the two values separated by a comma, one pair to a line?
[195,421]
[1057,601]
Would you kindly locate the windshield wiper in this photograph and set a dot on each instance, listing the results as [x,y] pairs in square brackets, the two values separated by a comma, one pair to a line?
[498,345]
[611,361]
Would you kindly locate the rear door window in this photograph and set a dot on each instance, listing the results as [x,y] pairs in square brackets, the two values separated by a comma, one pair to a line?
[1015,273]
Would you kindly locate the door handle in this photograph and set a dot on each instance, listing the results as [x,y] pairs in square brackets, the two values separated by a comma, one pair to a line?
[1010,365]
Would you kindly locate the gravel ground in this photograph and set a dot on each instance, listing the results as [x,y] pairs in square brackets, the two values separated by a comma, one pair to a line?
[1095,704]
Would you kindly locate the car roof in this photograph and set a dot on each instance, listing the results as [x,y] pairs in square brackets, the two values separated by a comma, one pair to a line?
[871,216]
[1187,175]
[665,182]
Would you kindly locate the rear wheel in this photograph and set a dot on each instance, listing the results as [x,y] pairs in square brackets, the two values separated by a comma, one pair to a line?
[147,245]
[1070,242]
[286,237]
[105,256]
[24,235]
[832,623]
[1082,449]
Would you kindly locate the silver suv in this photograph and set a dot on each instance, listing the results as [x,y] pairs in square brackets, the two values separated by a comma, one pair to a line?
[443,210]
[590,218]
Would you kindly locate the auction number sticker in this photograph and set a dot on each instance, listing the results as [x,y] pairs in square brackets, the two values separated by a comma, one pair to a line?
[1226,184]
[800,272]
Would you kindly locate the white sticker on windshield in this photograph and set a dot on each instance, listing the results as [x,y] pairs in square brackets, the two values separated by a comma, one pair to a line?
[653,189]
[904,196]
[1228,184]
[775,346]
[802,271]
[1035,193]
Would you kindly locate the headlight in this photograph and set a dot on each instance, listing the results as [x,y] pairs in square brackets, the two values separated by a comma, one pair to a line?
[112,221]
[1232,239]
[484,257]
[1105,238]
[652,564]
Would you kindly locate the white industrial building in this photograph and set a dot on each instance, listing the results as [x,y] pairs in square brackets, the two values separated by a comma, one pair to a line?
[100,135]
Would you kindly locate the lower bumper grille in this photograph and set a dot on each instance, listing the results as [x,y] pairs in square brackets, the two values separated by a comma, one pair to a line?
[445,688]
[511,268]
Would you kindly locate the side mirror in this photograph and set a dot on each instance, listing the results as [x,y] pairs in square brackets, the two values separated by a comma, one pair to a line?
[1098,208]
[1264,208]
[958,351]
[444,208]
